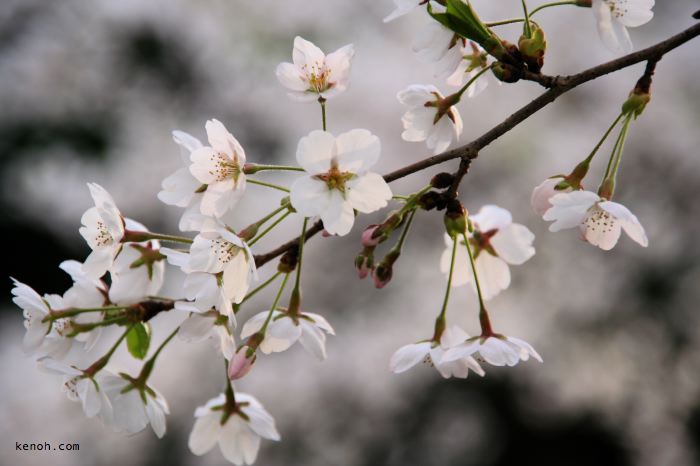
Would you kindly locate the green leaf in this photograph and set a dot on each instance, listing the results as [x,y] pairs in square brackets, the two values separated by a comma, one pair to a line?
[138,339]
[465,22]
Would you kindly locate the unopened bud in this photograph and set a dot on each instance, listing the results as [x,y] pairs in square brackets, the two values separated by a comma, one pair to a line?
[288,261]
[429,200]
[505,72]
[442,180]
[364,262]
[533,49]
[385,270]
[455,218]
[241,363]
[368,237]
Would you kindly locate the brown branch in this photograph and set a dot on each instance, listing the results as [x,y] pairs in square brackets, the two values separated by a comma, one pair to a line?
[556,86]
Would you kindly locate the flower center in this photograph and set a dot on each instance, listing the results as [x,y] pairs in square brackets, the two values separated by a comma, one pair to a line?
[103,238]
[334,178]
[481,241]
[224,251]
[225,167]
[317,75]
[599,220]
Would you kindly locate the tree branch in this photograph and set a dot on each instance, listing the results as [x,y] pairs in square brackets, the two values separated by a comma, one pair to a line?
[557,86]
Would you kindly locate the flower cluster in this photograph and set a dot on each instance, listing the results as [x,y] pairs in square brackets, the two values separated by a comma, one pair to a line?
[119,283]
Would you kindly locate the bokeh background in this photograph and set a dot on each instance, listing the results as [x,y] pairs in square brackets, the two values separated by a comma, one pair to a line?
[90,91]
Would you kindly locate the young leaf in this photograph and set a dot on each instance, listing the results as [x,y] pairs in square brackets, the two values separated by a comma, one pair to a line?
[138,339]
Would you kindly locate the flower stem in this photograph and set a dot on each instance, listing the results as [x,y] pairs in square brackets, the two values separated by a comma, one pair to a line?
[404,232]
[505,21]
[102,362]
[257,290]
[483,314]
[74,312]
[148,366]
[263,329]
[613,161]
[165,342]
[269,185]
[322,101]
[526,29]
[254,168]
[269,228]
[473,79]
[602,140]
[549,5]
[440,322]
[230,395]
[302,240]
[141,236]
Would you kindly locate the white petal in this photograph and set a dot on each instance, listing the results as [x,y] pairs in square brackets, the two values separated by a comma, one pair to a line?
[309,196]
[315,151]
[255,323]
[205,433]
[513,243]
[290,77]
[628,220]
[357,151]
[494,274]
[306,54]
[491,217]
[368,193]
[569,209]
[313,340]
[338,216]
[408,356]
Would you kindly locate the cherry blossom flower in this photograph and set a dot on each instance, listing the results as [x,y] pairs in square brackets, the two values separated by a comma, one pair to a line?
[103,230]
[182,189]
[132,408]
[79,386]
[314,74]
[35,309]
[428,119]
[223,252]
[497,350]
[237,430]
[219,167]
[436,44]
[544,192]
[496,243]
[138,270]
[473,61]
[284,330]
[430,352]
[338,179]
[403,7]
[600,221]
[613,17]
[209,326]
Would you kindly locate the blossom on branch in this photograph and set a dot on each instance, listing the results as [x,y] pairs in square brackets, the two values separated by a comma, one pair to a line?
[599,220]
[313,74]
[497,350]
[613,17]
[430,117]
[237,430]
[103,230]
[496,243]
[338,179]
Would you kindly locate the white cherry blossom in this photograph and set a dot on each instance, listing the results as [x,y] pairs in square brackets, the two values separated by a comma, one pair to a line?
[473,60]
[497,350]
[103,230]
[436,44]
[599,220]
[338,179]
[314,74]
[209,326]
[238,433]
[223,252]
[432,353]
[133,410]
[496,243]
[80,387]
[544,192]
[425,121]
[182,189]
[284,330]
[219,166]
[138,270]
[613,17]
[35,309]
[403,7]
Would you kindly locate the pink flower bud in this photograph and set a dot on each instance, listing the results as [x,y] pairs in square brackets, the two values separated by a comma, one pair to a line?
[240,364]
[367,240]
[382,275]
[543,193]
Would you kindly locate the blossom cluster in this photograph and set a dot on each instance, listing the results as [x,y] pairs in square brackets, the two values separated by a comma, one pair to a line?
[118,284]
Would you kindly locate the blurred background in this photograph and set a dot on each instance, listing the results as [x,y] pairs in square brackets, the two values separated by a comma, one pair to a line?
[90,91]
